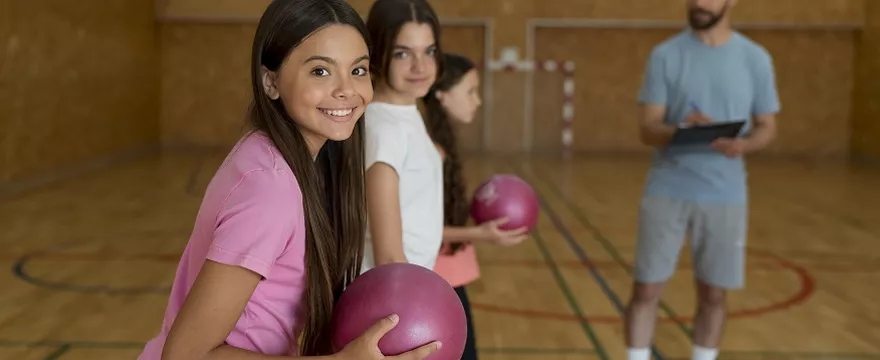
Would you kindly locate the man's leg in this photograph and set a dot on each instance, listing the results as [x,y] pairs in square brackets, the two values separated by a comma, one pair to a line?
[662,228]
[718,245]
[641,318]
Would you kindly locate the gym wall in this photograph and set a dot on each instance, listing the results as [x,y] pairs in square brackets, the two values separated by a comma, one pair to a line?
[78,83]
[205,70]
[205,47]
[177,71]
[866,122]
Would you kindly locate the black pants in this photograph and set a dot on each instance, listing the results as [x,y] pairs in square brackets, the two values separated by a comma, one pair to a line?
[470,346]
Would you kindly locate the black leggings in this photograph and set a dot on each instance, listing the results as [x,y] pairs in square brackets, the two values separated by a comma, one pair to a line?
[470,346]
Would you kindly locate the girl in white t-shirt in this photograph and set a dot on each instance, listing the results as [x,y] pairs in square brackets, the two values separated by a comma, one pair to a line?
[404,173]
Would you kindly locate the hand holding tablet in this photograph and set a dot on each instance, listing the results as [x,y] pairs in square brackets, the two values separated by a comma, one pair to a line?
[706,134]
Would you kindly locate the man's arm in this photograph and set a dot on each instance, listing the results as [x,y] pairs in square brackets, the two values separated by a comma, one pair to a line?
[653,131]
[763,133]
[766,105]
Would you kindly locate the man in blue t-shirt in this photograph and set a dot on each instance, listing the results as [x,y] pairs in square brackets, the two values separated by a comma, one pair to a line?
[708,73]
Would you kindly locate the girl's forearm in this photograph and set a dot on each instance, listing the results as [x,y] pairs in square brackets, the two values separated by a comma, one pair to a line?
[460,234]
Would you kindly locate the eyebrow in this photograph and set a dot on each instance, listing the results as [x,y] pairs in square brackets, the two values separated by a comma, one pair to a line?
[331,61]
[401,47]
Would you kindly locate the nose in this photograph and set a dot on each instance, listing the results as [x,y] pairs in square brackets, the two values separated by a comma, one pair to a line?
[344,88]
[420,63]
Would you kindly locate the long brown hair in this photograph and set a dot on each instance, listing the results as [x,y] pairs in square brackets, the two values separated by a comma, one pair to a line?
[333,184]
[455,202]
[384,22]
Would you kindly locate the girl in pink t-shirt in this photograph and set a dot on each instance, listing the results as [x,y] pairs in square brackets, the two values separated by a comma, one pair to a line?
[455,97]
[280,231]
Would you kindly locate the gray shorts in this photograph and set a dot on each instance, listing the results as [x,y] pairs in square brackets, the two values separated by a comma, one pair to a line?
[717,236]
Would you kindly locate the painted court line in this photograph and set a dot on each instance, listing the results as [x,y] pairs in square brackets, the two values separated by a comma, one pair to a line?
[582,255]
[569,296]
[65,346]
[806,279]
[58,353]
[607,245]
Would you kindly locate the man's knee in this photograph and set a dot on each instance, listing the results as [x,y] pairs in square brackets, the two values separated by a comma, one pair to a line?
[647,294]
[711,296]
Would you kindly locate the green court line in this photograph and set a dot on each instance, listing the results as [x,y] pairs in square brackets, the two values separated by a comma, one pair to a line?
[57,353]
[605,242]
[569,296]
[529,351]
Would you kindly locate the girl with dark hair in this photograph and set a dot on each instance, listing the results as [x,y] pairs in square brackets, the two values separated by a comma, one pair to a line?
[280,232]
[455,97]
[404,176]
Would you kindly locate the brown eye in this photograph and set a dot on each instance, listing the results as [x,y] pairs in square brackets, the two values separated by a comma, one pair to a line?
[360,71]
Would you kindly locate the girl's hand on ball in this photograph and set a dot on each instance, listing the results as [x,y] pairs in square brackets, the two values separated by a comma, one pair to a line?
[366,347]
[492,233]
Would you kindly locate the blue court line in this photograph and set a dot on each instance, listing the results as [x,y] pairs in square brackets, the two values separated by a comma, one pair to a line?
[608,246]
[19,270]
[582,255]
[72,344]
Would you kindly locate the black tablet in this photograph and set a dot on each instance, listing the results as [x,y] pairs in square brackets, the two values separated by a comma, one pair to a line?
[705,134]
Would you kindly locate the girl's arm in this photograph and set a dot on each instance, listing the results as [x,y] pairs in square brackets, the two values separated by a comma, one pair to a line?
[385,149]
[461,234]
[383,205]
[249,235]
[211,309]
[488,232]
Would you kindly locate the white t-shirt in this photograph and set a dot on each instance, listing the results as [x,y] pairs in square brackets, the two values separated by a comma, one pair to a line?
[396,135]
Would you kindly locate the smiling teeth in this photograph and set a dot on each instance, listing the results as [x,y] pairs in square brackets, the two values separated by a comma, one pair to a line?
[338,112]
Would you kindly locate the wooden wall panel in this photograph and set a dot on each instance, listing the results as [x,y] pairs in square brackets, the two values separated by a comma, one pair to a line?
[79,80]
[866,120]
[511,15]
[816,108]
[506,130]
[206,81]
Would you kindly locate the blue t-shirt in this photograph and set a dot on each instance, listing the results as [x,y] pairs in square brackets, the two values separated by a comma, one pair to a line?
[734,81]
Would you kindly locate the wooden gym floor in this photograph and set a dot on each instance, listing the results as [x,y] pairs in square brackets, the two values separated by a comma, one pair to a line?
[88,262]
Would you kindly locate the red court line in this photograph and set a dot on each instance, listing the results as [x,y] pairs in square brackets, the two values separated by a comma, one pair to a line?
[807,284]
[807,287]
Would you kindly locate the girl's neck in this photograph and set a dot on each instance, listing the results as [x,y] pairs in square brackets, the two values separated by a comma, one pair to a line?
[386,94]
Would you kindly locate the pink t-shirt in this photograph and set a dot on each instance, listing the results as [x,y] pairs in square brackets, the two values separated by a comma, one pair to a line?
[251,216]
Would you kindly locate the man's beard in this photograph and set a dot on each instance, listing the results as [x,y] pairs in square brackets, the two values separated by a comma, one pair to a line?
[697,23]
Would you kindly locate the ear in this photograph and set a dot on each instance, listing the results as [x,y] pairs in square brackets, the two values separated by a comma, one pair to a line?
[439,94]
[269,86]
